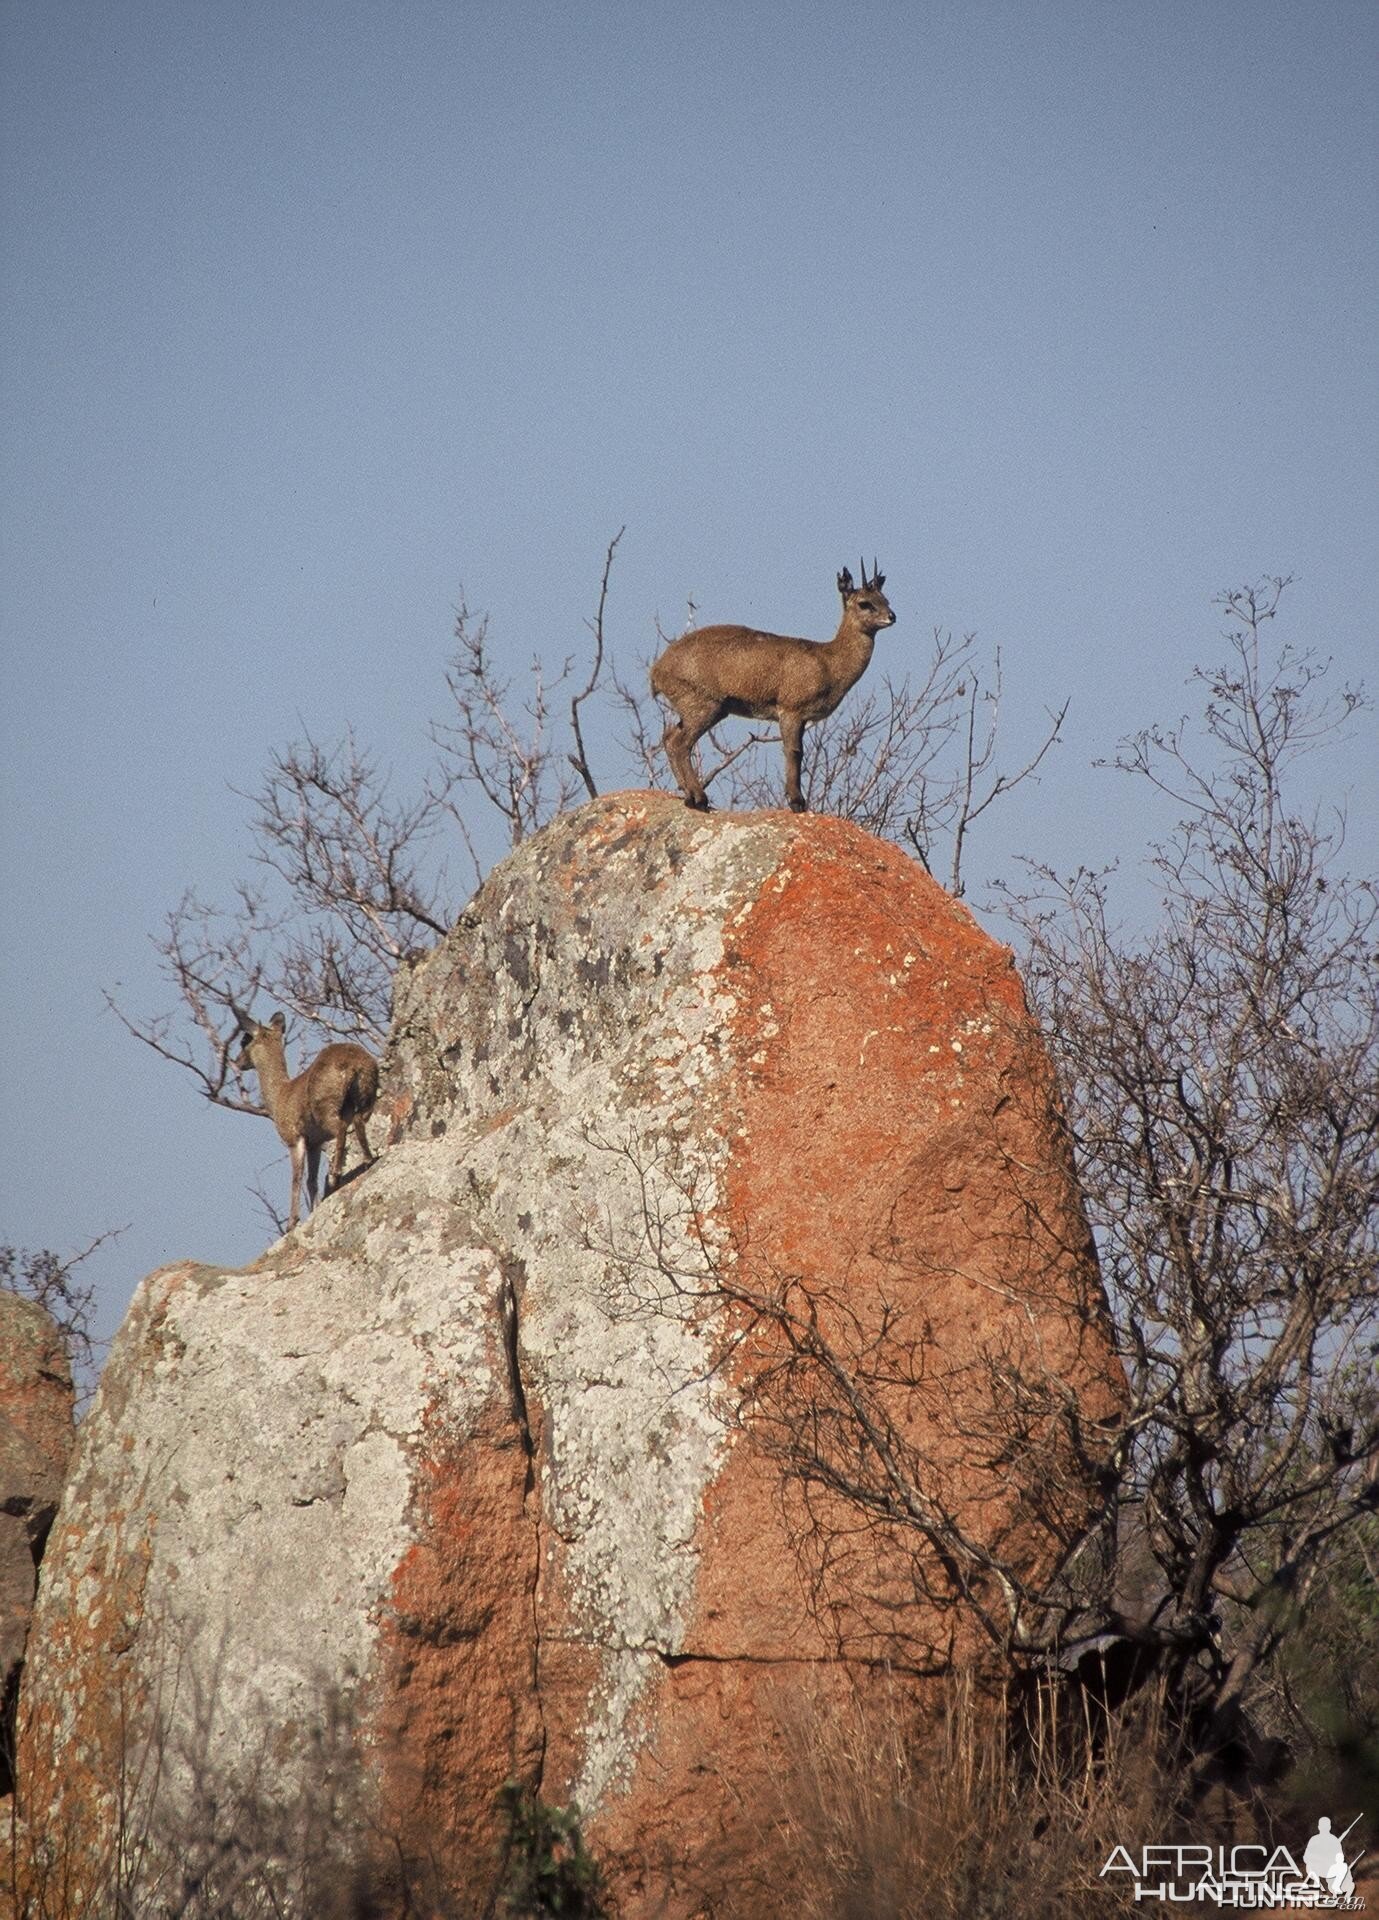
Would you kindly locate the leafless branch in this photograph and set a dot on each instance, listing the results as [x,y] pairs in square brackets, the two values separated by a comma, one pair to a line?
[210,957]
[498,747]
[51,1280]
[905,762]
[966,803]
[1221,1075]
[579,759]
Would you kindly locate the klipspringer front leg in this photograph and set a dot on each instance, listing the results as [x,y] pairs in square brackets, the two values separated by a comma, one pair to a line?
[298,1152]
[792,739]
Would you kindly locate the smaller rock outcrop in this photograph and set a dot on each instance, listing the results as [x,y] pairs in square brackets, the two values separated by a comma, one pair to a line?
[36,1436]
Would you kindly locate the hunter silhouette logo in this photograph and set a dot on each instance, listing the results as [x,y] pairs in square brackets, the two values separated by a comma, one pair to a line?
[1247,1876]
[1324,1861]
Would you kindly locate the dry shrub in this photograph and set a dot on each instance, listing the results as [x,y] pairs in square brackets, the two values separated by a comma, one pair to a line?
[166,1831]
[172,1833]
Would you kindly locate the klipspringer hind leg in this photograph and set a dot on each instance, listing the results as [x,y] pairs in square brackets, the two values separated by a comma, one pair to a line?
[681,737]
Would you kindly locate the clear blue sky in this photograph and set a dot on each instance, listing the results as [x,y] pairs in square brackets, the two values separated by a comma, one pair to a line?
[316,313]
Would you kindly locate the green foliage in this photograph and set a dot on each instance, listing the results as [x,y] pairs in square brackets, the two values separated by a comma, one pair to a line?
[1326,1680]
[550,1870]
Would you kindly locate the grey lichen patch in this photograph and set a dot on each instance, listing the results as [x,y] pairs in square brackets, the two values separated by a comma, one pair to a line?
[581,1014]
[273,1459]
[560,1071]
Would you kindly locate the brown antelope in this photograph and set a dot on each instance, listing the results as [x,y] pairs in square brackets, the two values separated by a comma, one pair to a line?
[716,671]
[335,1092]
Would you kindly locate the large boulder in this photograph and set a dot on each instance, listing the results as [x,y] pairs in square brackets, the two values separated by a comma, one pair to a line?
[726,1192]
[36,1439]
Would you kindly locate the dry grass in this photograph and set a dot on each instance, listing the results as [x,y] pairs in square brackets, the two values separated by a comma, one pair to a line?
[962,1811]
[966,1816]
[167,1833]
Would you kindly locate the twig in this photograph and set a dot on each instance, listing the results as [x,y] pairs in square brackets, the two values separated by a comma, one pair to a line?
[579,759]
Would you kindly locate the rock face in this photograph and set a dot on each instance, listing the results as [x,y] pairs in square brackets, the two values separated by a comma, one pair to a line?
[36,1438]
[522,1457]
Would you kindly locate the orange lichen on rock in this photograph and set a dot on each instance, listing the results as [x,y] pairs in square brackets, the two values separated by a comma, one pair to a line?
[898,1181]
[36,1439]
[81,1755]
[36,1381]
[459,1713]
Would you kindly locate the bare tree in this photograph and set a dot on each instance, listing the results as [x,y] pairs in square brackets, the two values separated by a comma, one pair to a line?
[351,882]
[895,1451]
[1221,1074]
[355,866]
[502,747]
[352,891]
